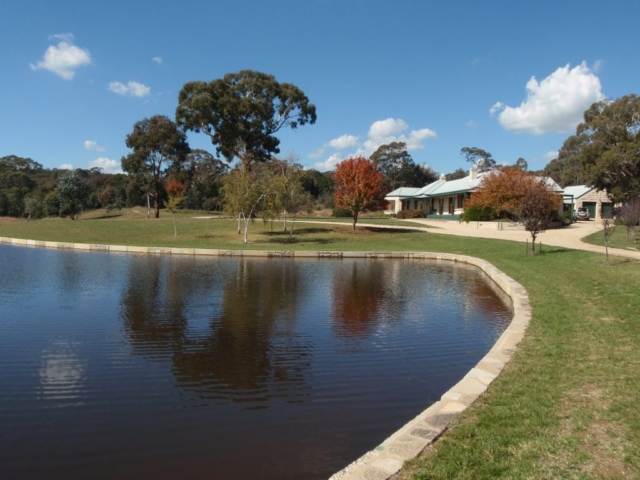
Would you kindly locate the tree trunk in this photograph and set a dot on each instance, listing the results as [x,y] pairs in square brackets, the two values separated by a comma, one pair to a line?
[285,221]
[239,231]
[293,221]
[156,204]
[533,243]
[355,219]
[175,230]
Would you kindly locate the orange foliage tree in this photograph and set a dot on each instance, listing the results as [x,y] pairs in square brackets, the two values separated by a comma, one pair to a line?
[176,191]
[358,186]
[527,198]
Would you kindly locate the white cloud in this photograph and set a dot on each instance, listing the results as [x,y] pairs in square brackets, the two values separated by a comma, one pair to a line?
[386,131]
[388,127]
[471,124]
[106,164]
[381,132]
[63,37]
[330,163]
[597,66]
[415,138]
[496,106]
[318,153]
[66,166]
[340,143]
[555,104]
[551,155]
[343,141]
[93,145]
[131,89]
[158,60]
[64,58]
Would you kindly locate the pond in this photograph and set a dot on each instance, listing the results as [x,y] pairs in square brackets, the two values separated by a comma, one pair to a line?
[125,366]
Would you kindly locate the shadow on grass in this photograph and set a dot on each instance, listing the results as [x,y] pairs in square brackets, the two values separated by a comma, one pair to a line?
[105,217]
[298,231]
[551,249]
[293,240]
[283,238]
[388,230]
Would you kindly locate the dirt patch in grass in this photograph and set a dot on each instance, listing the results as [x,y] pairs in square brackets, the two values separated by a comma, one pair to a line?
[598,441]
[8,220]
[584,412]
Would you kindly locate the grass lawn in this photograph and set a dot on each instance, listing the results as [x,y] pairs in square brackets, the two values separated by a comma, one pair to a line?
[568,403]
[617,240]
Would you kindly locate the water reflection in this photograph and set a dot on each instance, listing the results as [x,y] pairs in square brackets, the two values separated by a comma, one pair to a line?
[62,374]
[248,352]
[358,292]
[132,343]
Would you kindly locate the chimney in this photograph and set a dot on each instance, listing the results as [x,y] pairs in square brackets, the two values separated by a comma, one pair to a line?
[473,173]
[443,177]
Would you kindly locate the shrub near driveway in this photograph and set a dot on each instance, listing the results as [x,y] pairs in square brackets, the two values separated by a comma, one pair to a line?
[566,404]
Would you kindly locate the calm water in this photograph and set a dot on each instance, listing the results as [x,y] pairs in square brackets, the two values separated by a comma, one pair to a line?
[115,366]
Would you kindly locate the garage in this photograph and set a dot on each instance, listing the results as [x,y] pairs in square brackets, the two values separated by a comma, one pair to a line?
[606,209]
[591,206]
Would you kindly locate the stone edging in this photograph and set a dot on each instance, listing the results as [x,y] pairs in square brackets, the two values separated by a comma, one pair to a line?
[387,459]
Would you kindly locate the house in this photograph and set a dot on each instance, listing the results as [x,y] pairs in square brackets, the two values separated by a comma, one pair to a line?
[441,199]
[597,202]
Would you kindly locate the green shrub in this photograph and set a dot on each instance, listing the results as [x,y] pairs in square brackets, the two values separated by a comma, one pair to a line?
[476,213]
[411,214]
[340,212]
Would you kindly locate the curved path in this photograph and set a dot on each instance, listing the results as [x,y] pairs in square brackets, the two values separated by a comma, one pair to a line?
[567,237]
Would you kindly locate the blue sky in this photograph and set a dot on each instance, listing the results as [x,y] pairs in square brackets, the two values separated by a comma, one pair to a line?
[512,78]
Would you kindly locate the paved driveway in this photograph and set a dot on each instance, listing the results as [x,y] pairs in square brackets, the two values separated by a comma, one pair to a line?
[568,237]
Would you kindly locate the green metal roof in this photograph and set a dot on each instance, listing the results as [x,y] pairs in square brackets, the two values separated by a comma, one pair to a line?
[441,188]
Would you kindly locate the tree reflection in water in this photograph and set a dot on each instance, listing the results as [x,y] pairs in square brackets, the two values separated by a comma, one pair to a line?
[358,295]
[248,352]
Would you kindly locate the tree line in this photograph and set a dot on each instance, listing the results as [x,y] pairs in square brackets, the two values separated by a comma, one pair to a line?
[242,114]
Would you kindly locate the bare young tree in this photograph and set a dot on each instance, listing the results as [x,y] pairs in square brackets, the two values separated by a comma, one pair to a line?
[630,214]
[608,227]
[244,192]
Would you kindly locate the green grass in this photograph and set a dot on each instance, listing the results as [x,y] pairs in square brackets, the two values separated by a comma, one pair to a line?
[566,406]
[618,239]
[133,228]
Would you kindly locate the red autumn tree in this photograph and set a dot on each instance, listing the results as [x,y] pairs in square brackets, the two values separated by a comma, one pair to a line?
[358,186]
[527,198]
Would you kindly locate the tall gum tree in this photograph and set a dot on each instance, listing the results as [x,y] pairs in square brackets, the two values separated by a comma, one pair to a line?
[158,144]
[481,158]
[607,146]
[398,168]
[242,112]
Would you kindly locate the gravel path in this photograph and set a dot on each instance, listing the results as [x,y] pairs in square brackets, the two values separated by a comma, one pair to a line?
[567,237]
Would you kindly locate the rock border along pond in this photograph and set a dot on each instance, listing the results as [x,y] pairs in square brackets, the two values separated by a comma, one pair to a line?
[387,459]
